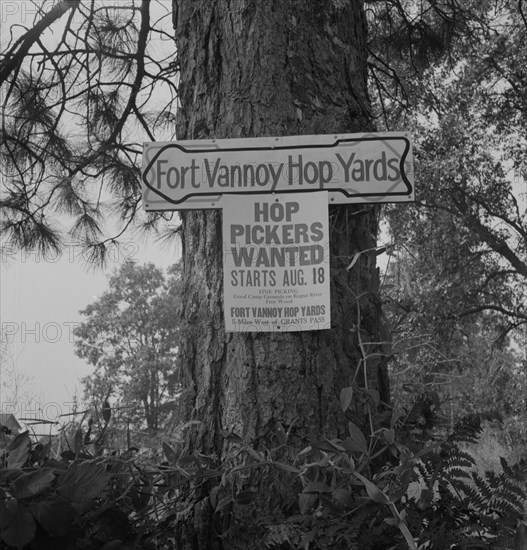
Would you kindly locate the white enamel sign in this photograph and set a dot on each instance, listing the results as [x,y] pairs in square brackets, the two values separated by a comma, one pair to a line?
[353,168]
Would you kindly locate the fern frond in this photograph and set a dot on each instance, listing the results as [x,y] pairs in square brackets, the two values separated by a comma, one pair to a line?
[456,472]
[484,489]
[467,430]
[473,496]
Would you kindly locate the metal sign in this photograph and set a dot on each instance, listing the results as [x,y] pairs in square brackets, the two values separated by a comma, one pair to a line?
[354,168]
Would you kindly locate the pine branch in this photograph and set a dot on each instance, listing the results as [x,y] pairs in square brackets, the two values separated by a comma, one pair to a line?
[135,89]
[15,56]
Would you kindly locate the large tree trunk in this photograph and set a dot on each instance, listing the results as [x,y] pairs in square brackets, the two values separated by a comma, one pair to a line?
[268,68]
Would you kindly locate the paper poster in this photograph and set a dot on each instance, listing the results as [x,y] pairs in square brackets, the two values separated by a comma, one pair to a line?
[276,262]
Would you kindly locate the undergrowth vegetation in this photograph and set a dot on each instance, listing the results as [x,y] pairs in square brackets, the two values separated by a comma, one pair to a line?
[402,486]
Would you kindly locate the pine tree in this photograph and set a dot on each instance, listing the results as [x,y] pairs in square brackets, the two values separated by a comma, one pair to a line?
[245,69]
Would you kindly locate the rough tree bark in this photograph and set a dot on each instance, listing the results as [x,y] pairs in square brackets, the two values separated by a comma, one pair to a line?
[269,68]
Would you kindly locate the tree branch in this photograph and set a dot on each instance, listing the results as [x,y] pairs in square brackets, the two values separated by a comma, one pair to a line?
[497,244]
[15,56]
[492,307]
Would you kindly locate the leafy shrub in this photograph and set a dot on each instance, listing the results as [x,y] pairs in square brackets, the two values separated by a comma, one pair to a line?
[46,501]
[395,488]
[84,501]
[430,499]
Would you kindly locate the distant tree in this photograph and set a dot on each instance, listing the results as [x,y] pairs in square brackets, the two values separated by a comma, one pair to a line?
[131,337]
[458,360]
[454,76]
